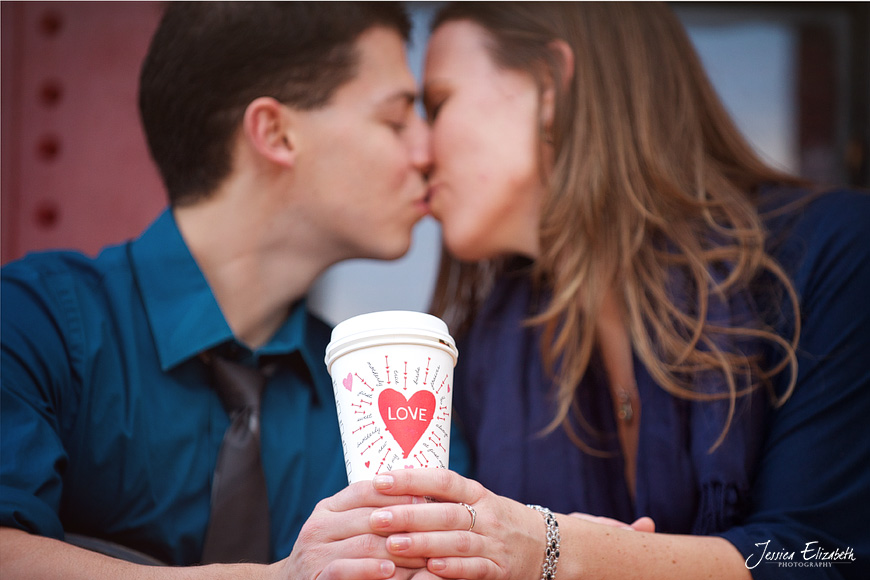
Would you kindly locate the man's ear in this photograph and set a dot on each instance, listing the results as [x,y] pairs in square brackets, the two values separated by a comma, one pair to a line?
[564,58]
[267,127]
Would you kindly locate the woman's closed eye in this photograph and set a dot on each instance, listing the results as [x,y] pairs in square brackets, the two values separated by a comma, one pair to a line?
[432,102]
[432,111]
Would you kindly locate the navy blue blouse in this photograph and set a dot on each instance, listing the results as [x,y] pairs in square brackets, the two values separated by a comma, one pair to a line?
[793,479]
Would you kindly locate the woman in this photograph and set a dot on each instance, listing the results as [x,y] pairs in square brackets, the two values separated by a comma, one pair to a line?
[655,322]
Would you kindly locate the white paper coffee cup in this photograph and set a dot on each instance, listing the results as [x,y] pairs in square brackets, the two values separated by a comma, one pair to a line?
[392,375]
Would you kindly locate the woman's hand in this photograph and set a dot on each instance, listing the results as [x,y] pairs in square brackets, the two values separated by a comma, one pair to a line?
[507,538]
[337,541]
[494,538]
[506,541]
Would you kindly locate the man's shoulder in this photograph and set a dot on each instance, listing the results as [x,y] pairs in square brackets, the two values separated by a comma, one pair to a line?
[45,265]
[61,281]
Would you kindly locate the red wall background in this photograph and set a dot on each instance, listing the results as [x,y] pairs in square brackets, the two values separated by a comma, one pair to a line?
[75,167]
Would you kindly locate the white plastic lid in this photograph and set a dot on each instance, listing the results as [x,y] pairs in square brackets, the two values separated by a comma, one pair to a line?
[389,327]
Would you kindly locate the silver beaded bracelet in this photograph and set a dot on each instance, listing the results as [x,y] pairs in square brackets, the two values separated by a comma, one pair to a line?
[551,556]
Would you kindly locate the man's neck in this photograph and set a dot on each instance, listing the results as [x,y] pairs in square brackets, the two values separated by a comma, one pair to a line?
[256,266]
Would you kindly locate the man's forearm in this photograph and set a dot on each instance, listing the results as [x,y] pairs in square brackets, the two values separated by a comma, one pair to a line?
[26,555]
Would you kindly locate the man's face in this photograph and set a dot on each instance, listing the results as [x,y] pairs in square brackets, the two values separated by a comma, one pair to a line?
[361,159]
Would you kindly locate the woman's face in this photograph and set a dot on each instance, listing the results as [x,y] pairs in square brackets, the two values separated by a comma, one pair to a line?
[485,187]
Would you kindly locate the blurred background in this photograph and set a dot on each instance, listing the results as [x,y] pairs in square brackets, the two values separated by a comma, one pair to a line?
[76,172]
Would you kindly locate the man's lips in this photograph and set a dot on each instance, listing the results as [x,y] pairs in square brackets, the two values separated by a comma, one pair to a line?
[422,202]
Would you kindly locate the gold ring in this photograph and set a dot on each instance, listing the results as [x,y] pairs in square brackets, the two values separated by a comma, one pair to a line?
[472,513]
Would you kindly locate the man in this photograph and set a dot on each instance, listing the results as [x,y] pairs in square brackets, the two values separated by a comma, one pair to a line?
[287,140]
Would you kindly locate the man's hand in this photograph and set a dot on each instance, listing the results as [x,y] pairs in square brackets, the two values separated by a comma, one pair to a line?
[338,543]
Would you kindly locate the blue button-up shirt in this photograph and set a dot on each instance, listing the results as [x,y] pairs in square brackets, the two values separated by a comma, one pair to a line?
[109,425]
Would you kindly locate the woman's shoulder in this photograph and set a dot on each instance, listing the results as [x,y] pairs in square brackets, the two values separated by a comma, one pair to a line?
[833,210]
[824,225]
[816,211]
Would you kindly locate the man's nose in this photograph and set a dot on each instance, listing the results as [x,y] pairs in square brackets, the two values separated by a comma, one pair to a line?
[421,148]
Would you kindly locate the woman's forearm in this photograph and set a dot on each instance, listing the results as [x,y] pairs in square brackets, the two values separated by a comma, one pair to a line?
[602,552]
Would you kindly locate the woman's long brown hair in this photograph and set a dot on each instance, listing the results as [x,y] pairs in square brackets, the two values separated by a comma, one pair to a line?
[651,177]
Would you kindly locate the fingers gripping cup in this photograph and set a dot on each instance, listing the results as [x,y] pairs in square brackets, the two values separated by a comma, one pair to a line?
[392,374]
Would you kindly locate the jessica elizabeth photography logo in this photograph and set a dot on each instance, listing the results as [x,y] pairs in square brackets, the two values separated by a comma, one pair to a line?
[811,555]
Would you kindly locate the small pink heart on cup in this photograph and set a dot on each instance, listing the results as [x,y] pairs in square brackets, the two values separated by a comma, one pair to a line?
[348,381]
[368,463]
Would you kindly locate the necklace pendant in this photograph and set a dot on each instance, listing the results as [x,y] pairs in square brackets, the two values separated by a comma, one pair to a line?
[626,411]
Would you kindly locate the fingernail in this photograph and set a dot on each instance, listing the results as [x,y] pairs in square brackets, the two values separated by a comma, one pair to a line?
[436,565]
[382,518]
[383,481]
[387,568]
[400,543]
[629,528]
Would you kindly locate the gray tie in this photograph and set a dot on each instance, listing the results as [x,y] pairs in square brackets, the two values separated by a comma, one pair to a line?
[238,528]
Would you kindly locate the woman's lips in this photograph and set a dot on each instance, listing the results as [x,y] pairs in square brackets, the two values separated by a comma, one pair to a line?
[430,192]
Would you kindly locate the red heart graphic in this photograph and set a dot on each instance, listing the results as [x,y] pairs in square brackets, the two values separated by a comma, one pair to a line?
[348,381]
[368,463]
[405,419]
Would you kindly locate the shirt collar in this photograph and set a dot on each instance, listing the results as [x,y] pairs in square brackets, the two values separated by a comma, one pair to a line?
[184,315]
[303,333]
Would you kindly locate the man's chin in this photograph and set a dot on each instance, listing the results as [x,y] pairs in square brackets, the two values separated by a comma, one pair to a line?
[394,252]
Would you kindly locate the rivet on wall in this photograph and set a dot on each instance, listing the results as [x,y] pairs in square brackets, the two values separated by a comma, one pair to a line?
[50,24]
[50,93]
[46,215]
[48,148]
